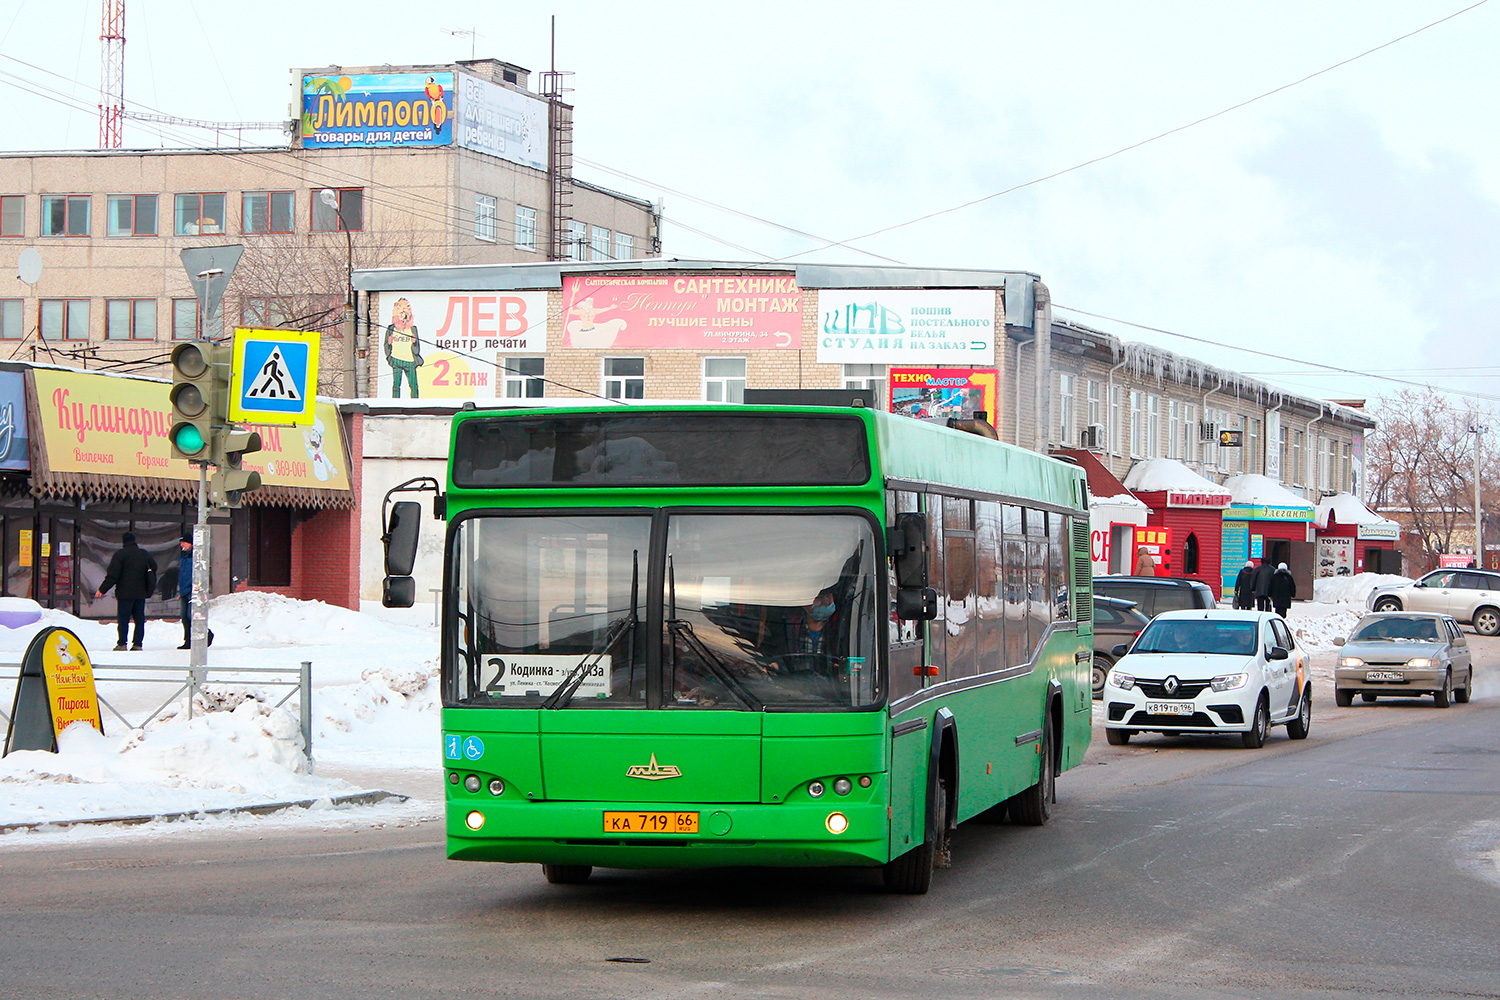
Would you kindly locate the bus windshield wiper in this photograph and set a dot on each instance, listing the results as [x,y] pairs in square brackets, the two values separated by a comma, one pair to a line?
[681,629]
[627,622]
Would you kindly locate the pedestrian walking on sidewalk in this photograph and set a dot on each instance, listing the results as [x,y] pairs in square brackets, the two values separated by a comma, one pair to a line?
[132,576]
[1283,589]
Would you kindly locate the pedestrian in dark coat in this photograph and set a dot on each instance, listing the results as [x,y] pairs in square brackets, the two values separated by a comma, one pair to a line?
[132,576]
[1263,574]
[185,591]
[1283,589]
[1244,588]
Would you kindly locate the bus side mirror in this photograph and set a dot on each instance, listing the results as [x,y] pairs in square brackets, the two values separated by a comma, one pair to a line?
[907,544]
[401,538]
[916,604]
[399,592]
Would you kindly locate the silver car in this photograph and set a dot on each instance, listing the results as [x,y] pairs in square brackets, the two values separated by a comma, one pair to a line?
[1470,595]
[1404,654]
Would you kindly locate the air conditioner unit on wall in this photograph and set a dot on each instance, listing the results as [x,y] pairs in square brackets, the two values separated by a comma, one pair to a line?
[1091,437]
[1207,431]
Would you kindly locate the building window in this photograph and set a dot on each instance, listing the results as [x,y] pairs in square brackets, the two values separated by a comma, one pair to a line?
[484,218]
[65,215]
[523,378]
[1137,424]
[131,215]
[198,215]
[525,228]
[1063,411]
[1173,427]
[12,319]
[624,246]
[1346,471]
[65,319]
[1252,445]
[1286,473]
[347,214]
[1189,433]
[599,243]
[267,211]
[1153,426]
[13,215]
[724,380]
[578,238]
[130,319]
[184,319]
[1115,420]
[1298,470]
[267,312]
[1095,410]
[868,378]
[624,378]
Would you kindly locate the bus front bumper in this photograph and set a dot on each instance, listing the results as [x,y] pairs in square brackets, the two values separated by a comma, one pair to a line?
[574,833]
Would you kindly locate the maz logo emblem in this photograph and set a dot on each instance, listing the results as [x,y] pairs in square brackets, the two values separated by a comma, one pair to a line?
[653,771]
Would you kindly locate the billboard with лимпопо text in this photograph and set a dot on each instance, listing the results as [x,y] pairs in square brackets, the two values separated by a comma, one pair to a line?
[377,109]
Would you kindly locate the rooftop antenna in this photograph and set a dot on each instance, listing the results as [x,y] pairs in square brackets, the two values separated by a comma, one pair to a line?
[111,73]
[472,33]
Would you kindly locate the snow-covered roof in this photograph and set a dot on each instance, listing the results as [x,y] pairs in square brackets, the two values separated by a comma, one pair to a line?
[1262,491]
[1347,508]
[1123,500]
[1157,474]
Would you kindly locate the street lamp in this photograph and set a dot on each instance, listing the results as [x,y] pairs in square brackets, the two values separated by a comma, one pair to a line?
[330,197]
[1478,432]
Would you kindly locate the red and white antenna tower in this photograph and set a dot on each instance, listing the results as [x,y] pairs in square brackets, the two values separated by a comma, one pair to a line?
[112,74]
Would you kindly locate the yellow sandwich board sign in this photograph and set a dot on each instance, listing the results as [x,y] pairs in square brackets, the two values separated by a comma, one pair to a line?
[273,377]
[55,690]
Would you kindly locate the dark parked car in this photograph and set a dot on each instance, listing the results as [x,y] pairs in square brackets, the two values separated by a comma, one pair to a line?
[1154,594]
[1115,622]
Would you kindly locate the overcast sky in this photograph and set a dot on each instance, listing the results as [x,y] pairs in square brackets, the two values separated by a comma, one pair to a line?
[1349,220]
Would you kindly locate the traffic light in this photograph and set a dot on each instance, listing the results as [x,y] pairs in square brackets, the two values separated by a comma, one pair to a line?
[228,485]
[194,386]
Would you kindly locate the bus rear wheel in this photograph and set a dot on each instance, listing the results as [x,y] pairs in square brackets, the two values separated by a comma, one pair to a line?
[911,873]
[1033,806]
[567,874]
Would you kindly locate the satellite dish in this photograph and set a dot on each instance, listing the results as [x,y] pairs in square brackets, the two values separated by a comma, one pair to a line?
[29,268]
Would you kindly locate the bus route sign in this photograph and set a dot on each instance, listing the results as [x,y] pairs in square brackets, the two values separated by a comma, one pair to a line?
[273,377]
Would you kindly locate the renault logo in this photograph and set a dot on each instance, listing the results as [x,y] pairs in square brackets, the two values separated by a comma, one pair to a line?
[653,771]
[1170,686]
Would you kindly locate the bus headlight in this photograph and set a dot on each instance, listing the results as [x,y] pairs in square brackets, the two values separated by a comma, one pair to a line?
[474,820]
[843,786]
[497,787]
[471,783]
[815,789]
[837,823]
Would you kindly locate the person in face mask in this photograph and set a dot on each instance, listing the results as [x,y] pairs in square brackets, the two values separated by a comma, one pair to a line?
[811,629]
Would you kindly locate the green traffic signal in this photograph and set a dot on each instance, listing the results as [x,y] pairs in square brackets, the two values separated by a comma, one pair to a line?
[187,439]
[199,381]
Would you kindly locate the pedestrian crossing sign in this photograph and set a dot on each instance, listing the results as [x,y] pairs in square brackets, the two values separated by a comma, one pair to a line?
[273,377]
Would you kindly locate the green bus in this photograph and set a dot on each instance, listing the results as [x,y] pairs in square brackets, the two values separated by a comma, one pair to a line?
[704,635]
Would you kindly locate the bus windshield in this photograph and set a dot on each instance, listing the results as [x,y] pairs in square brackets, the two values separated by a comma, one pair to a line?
[756,611]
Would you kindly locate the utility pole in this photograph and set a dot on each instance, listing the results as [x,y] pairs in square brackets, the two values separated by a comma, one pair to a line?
[1478,432]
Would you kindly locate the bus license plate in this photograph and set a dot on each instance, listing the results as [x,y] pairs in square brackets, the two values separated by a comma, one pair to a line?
[1384,675]
[650,822]
[1169,707]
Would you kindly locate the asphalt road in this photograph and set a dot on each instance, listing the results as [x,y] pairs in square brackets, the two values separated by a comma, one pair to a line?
[1351,864]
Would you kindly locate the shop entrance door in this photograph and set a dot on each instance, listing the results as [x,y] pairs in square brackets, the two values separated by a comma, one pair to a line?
[55,551]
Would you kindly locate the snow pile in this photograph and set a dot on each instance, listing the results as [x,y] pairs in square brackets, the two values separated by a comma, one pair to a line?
[1347,508]
[1353,589]
[1256,490]
[1317,625]
[1158,474]
[1123,500]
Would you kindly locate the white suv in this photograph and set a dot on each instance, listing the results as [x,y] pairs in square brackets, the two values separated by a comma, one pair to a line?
[1210,672]
[1470,595]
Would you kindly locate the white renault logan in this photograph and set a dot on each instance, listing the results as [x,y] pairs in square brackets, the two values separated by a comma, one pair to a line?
[1210,672]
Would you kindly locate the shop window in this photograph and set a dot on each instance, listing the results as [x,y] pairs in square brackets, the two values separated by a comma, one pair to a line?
[131,215]
[65,215]
[199,214]
[346,214]
[13,215]
[267,211]
[1190,555]
[130,319]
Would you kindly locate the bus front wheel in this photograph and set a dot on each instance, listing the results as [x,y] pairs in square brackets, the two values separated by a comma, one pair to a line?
[911,873]
[567,874]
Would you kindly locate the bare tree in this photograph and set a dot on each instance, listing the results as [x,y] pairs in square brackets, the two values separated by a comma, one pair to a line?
[1421,471]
